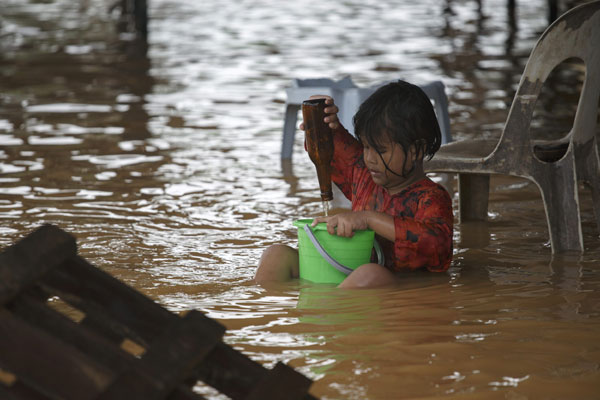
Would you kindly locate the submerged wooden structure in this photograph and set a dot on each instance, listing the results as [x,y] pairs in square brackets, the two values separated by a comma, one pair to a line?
[109,341]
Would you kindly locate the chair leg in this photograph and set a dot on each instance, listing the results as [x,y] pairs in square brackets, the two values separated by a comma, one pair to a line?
[594,183]
[289,131]
[473,195]
[588,170]
[561,202]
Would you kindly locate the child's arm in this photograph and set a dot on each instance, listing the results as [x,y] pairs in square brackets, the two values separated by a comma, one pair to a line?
[344,224]
[422,240]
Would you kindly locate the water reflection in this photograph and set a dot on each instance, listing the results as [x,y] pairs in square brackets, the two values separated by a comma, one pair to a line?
[164,162]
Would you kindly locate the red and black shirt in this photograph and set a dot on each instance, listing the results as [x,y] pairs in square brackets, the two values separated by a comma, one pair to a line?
[422,211]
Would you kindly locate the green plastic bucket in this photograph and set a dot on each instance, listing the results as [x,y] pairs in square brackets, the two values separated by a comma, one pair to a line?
[350,252]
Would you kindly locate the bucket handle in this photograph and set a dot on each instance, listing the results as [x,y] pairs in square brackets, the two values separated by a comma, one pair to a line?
[342,268]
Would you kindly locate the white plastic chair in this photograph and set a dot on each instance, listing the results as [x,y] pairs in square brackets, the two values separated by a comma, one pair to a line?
[348,97]
[555,167]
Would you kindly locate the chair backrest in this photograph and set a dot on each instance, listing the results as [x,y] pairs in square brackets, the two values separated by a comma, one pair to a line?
[576,34]
[344,83]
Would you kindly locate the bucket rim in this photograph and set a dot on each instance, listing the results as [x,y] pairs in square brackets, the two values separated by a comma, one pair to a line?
[321,226]
[299,223]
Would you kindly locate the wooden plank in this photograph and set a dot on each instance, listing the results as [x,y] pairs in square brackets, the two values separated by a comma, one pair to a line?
[30,309]
[141,387]
[178,349]
[47,364]
[134,384]
[231,372]
[173,360]
[107,302]
[53,323]
[281,383]
[474,192]
[19,391]
[184,393]
[171,357]
[29,259]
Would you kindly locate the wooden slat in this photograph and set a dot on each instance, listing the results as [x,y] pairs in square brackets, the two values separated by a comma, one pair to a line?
[29,259]
[281,383]
[173,360]
[32,310]
[232,373]
[134,384]
[107,302]
[139,386]
[47,364]
[52,322]
[229,371]
[19,391]
[171,357]
[184,393]
[67,360]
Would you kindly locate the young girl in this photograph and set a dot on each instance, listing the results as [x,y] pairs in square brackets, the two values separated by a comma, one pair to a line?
[381,172]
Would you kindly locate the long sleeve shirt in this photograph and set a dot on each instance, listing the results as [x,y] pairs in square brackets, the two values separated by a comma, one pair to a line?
[422,211]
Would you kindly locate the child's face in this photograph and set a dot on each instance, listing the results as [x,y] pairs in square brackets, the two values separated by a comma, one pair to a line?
[396,159]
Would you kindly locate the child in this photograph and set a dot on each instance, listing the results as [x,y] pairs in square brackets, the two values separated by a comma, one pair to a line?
[382,174]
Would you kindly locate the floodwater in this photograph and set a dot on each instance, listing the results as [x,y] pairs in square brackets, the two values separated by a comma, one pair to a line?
[166,168]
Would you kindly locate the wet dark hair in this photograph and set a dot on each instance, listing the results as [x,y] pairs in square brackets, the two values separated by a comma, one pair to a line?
[400,112]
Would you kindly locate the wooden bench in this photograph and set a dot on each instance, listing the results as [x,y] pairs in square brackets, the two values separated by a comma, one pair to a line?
[108,341]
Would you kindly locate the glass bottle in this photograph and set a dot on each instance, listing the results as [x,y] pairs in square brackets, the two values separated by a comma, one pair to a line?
[319,143]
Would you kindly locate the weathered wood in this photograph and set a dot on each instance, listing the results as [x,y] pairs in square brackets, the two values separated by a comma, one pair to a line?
[104,299]
[171,361]
[281,383]
[232,373]
[184,393]
[47,364]
[57,325]
[229,371]
[473,197]
[134,385]
[109,355]
[552,10]
[141,17]
[19,391]
[57,357]
[135,12]
[29,259]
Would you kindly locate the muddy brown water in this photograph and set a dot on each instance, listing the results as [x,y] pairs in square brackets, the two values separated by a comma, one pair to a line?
[166,168]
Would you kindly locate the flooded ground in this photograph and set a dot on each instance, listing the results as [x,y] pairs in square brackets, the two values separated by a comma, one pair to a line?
[166,168]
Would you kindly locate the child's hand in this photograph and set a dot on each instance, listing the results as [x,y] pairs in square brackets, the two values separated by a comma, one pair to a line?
[345,224]
[331,110]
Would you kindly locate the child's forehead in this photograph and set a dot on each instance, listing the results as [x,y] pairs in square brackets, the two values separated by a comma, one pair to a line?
[381,139]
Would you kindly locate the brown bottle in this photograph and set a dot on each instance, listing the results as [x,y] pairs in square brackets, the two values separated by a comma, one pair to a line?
[319,143]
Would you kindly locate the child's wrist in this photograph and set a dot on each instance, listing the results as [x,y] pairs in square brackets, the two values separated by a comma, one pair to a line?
[369,218]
